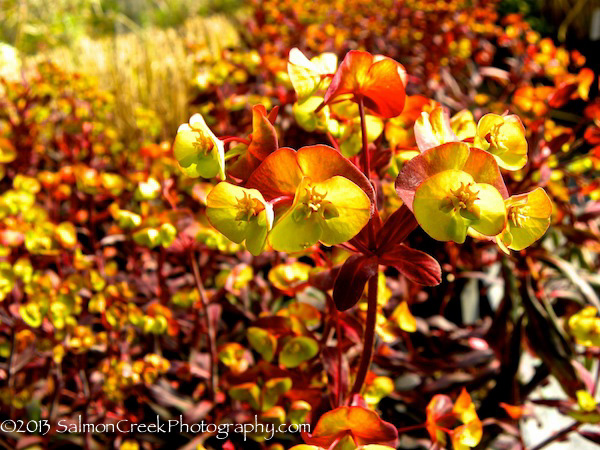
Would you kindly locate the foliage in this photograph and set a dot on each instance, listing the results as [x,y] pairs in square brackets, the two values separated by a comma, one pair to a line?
[301,248]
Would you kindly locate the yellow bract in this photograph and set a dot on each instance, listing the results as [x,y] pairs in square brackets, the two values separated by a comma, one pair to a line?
[449,202]
[585,327]
[331,211]
[306,75]
[198,151]
[503,137]
[528,219]
[240,214]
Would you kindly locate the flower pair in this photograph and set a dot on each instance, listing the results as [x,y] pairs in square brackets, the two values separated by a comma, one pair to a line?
[316,194]
[455,190]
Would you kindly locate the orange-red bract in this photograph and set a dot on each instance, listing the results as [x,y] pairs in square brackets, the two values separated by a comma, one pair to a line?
[378,80]
[281,172]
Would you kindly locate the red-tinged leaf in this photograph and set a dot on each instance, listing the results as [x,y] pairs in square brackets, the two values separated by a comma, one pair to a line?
[562,95]
[278,175]
[592,134]
[339,378]
[264,135]
[281,172]
[362,424]
[439,415]
[353,329]
[273,114]
[396,228]
[351,280]
[383,90]
[275,324]
[324,279]
[379,83]
[415,265]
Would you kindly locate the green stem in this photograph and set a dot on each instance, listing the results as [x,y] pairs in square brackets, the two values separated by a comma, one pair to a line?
[368,338]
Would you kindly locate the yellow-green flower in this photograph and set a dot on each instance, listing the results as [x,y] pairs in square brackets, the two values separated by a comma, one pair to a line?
[463,124]
[240,214]
[432,130]
[585,327]
[331,211]
[503,137]
[449,202]
[198,151]
[528,219]
[308,76]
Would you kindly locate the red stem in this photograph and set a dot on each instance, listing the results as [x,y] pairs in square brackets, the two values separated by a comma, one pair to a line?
[366,159]
[338,332]
[369,338]
[366,162]
[212,348]
[235,139]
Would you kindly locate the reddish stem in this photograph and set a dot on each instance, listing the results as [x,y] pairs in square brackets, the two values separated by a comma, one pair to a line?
[210,333]
[369,337]
[366,159]
[227,140]
[333,141]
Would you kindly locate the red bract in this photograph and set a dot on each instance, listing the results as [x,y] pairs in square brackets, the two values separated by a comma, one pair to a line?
[377,80]
[263,142]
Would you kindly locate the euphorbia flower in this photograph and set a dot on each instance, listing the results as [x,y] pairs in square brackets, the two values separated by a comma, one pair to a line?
[463,124]
[434,129]
[307,76]
[332,211]
[358,425]
[503,137]
[450,202]
[442,415]
[585,327]
[528,219]
[198,151]
[451,188]
[240,214]
[399,131]
[377,80]
[281,173]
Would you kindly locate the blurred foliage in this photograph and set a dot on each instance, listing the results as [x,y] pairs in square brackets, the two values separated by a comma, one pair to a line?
[37,25]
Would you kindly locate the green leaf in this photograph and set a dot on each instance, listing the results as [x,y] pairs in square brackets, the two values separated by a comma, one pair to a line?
[262,342]
[298,350]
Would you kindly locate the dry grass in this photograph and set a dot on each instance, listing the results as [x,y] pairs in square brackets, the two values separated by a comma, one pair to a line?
[149,68]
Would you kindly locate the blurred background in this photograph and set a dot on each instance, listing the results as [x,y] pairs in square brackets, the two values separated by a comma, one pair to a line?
[143,51]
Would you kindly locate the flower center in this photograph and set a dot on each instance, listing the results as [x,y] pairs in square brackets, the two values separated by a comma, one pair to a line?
[493,138]
[248,207]
[313,202]
[517,213]
[203,143]
[462,200]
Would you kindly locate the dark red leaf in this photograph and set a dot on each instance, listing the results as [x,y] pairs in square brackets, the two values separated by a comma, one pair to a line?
[396,228]
[414,264]
[351,280]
